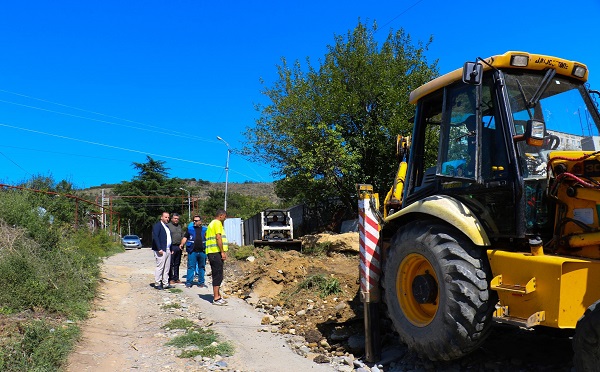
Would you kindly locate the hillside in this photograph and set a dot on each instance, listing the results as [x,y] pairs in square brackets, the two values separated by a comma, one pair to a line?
[202,188]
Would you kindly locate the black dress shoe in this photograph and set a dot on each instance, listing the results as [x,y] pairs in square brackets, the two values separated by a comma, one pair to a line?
[160,287]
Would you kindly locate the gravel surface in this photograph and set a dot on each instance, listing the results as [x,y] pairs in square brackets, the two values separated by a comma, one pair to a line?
[124,331]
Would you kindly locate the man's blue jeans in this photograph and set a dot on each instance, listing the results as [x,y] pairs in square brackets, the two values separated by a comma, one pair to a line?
[195,260]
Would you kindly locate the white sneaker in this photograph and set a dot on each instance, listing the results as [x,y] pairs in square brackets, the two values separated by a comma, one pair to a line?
[220,302]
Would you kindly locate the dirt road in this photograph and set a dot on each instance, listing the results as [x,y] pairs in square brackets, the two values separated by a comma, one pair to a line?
[124,331]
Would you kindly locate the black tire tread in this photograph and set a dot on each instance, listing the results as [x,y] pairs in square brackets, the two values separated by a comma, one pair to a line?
[586,342]
[467,316]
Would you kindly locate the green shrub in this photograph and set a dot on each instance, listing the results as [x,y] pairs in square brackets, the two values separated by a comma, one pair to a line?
[98,244]
[317,249]
[61,280]
[38,345]
[173,305]
[202,339]
[325,286]
[243,252]
[49,268]
[19,275]
[180,323]
[21,208]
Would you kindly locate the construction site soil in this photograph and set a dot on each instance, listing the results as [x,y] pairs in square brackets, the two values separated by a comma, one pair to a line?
[279,284]
[317,293]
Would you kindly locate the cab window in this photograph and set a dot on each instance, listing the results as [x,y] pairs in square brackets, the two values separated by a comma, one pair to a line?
[458,150]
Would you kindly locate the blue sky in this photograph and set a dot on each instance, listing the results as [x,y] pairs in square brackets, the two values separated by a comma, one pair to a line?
[88,87]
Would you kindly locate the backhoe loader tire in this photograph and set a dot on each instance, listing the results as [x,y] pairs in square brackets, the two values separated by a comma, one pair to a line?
[586,342]
[436,284]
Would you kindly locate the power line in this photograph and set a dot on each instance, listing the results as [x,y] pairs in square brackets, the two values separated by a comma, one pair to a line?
[108,146]
[64,153]
[403,12]
[160,131]
[96,113]
[77,155]
[122,148]
[72,154]
[12,161]
[167,133]
[71,107]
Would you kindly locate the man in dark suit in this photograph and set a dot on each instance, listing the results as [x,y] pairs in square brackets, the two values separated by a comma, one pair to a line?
[161,243]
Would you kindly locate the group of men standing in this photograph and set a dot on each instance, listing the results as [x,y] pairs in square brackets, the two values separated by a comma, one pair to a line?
[168,242]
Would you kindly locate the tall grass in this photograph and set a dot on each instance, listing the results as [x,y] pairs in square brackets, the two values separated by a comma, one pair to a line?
[26,210]
[61,280]
[47,271]
[205,342]
[317,249]
[317,284]
[242,252]
[325,286]
[36,345]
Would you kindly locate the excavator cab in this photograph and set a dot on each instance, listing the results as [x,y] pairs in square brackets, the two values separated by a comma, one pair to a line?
[484,135]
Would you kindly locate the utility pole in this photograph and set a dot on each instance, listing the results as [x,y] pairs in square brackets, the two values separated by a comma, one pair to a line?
[226,171]
[104,203]
[189,202]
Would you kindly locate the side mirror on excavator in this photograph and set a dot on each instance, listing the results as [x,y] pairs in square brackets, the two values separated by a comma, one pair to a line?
[534,133]
[472,73]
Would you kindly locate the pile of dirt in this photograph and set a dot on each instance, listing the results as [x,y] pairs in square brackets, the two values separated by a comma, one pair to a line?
[343,243]
[314,295]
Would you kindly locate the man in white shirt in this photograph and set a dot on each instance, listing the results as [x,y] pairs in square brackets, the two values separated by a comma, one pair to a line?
[161,243]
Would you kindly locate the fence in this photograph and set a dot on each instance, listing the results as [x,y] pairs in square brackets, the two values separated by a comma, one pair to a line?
[234,231]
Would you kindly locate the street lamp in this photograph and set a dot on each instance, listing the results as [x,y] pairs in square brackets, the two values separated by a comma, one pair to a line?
[189,200]
[226,170]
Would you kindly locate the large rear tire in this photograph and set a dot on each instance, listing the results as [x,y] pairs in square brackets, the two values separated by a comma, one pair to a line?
[586,342]
[437,290]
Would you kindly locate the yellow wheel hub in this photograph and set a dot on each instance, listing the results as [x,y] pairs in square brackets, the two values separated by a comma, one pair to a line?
[415,269]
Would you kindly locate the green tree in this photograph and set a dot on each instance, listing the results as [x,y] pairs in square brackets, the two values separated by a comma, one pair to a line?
[151,192]
[333,126]
[52,199]
[40,182]
[238,205]
[44,207]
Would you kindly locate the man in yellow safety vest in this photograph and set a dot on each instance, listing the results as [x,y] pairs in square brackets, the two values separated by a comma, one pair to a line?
[216,248]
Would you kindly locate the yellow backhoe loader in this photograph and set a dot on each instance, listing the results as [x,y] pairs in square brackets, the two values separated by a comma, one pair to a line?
[494,212]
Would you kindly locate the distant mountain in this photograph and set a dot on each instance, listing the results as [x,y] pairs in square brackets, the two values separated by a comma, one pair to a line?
[265,189]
